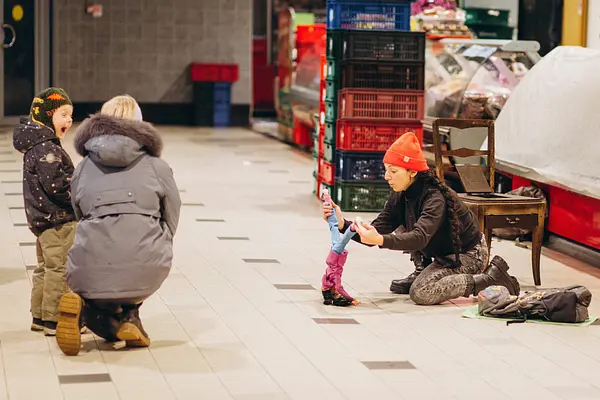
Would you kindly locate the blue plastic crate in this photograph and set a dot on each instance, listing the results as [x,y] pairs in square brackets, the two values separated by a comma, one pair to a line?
[221,116]
[222,93]
[388,16]
[359,166]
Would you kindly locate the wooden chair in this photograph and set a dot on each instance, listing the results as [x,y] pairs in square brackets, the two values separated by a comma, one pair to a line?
[493,210]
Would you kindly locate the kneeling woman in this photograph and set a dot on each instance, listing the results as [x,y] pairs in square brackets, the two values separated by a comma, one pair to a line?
[127,204]
[425,217]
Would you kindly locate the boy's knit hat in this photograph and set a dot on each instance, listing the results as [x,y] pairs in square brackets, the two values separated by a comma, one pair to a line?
[46,103]
[406,152]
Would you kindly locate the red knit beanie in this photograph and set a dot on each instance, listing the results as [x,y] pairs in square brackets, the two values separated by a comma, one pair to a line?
[406,152]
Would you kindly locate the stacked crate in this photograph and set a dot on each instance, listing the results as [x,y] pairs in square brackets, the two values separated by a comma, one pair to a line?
[212,93]
[319,133]
[374,94]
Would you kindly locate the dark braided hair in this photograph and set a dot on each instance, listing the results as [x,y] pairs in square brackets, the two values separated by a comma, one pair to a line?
[452,207]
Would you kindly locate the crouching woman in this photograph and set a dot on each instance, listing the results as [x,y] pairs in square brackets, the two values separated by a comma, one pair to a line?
[127,204]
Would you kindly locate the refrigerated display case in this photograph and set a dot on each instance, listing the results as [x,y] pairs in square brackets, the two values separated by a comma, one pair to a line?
[472,79]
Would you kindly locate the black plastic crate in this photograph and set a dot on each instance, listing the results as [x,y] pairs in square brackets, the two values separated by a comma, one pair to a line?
[372,45]
[204,103]
[363,196]
[362,166]
[407,75]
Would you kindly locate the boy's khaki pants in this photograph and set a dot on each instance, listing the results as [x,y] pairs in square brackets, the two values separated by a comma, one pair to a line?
[50,276]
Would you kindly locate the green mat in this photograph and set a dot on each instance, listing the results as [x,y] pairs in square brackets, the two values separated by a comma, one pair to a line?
[471,312]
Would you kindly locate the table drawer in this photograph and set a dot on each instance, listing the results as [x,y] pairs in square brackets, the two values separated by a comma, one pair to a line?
[523,221]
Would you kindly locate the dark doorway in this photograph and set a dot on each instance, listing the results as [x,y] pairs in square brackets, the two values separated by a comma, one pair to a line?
[541,20]
[19,60]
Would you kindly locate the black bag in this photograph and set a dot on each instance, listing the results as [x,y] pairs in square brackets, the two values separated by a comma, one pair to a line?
[568,304]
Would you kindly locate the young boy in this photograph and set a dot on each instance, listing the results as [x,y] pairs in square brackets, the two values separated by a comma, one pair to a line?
[47,172]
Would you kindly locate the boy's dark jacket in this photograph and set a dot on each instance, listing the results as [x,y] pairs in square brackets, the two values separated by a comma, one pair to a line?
[47,172]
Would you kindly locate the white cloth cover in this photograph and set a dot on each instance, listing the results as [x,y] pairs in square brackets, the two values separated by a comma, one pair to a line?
[551,122]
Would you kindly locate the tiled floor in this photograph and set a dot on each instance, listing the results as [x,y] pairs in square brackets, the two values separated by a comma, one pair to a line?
[240,316]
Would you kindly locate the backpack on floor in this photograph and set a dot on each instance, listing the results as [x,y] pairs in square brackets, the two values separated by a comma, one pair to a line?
[568,304]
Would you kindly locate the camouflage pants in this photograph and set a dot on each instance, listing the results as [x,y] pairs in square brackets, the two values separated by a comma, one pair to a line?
[439,283]
[50,276]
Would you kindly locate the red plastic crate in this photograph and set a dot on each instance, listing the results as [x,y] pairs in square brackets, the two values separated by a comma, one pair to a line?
[323,67]
[214,72]
[360,135]
[321,141]
[302,135]
[381,104]
[311,33]
[326,172]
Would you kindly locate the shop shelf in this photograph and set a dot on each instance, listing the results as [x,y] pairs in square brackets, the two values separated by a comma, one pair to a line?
[344,45]
[353,166]
[370,14]
[381,104]
[371,136]
[363,196]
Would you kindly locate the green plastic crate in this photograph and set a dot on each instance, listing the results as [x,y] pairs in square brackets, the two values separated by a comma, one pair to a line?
[329,151]
[330,130]
[486,16]
[492,32]
[331,110]
[362,197]
[332,87]
[332,191]
[334,69]
[335,44]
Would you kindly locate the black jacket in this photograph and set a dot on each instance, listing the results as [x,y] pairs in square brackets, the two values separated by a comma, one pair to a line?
[47,172]
[416,221]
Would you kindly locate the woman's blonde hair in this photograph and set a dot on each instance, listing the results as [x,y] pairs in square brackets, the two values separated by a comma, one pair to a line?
[123,106]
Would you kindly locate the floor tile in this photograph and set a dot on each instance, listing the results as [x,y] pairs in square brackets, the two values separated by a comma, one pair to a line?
[388,365]
[294,286]
[335,321]
[91,378]
[240,315]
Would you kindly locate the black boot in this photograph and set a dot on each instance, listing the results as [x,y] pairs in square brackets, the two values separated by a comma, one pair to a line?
[336,299]
[402,286]
[131,330]
[496,275]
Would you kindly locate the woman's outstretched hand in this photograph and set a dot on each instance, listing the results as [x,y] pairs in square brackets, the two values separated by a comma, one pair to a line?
[369,235]
[328,210]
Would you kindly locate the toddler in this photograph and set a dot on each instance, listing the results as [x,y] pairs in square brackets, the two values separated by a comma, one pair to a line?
[47,171]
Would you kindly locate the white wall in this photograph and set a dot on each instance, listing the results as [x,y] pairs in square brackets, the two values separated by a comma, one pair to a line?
[593,24]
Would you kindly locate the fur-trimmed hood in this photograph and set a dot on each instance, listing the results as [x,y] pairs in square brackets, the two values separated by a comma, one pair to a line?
[116,142]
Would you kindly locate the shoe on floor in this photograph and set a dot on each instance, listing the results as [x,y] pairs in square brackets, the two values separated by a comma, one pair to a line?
[49,328]
[132,331]
[68,330]
[37,325]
